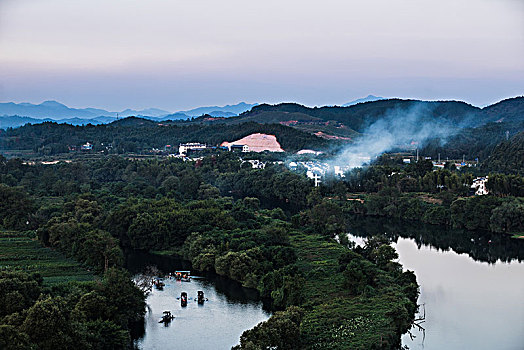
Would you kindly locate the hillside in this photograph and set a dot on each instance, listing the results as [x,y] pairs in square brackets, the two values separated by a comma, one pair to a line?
[508,156]
[473,142]
[509,110]
[358,117]
[137,135]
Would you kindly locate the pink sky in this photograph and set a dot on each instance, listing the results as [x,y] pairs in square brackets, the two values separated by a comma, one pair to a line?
[181,54]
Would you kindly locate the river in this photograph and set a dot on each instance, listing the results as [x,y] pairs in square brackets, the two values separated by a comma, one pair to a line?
[471,284]
[217,324]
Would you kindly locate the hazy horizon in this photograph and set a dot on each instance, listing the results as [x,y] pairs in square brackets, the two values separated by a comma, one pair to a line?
[181,55]
[238,102]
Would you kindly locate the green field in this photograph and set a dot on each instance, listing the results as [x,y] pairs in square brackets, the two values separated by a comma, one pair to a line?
[21,252]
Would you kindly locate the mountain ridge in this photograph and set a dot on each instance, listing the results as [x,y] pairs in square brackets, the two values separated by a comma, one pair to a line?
[58,111]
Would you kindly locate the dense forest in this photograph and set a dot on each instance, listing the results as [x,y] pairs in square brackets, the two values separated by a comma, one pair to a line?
[268,229]
[255,226]
[473,143]
[132,135]
[508,156]
[441,197]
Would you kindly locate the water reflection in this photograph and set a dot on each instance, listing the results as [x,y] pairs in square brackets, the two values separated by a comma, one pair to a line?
[217,324]
[472,301]
[479,245]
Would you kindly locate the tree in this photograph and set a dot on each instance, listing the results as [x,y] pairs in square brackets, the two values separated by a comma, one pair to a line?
[12,339]
[281,331]
[15,208]
[47,325]
[508,217]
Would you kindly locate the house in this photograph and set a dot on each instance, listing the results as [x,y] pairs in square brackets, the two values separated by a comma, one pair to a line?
[255,163]
[183,148]
[339,171]
[316,177]
[239,148]
[86,147]
[479,185]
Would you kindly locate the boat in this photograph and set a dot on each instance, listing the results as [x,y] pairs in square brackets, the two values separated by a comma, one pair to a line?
[167,317]
[200,297]
[183,299]
[183,276]
[159,283]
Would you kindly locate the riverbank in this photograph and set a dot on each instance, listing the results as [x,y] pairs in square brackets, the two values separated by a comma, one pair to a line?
[336,319]
[452,267]
[496,214]
[333,317]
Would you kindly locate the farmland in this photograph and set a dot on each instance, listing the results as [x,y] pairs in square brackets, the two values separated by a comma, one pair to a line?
[21,251]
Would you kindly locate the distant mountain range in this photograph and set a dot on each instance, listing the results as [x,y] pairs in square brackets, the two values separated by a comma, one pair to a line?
[368,98]
[453,129]
[348,122]
[344,121]
[58,111]
[18,114]
[215,111]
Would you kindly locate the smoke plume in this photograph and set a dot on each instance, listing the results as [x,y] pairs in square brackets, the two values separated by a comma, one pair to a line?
[398,128]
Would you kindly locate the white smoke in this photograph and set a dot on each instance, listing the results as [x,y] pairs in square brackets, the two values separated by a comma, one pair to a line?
[397,128]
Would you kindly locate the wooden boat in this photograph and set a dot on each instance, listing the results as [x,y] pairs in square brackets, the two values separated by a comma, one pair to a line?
[200,297]
[183,299]
[183,276]
[159,283]
[167,317]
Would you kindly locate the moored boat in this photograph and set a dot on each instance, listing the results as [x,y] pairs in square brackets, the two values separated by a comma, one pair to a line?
[167,317]
[183,276]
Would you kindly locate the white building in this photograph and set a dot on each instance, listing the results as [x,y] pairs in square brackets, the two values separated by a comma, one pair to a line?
[242,148]
[86,147]
[193,146]
[479,184]
[315,176]
[255,163]
[339,171]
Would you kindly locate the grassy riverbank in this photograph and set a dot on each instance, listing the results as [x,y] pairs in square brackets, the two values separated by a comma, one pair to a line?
[21,251]
[336,318]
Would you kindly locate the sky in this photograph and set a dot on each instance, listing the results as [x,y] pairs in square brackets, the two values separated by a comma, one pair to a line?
[175,55]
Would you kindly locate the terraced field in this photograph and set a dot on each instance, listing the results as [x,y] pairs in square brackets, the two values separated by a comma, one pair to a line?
[23,252]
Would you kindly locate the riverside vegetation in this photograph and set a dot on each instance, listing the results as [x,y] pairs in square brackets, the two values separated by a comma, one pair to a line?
[267,228]
[264,228]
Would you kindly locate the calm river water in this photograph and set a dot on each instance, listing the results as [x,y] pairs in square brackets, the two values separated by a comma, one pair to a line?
[472,284]
[217,324]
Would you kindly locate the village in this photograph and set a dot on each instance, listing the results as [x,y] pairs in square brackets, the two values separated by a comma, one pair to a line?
[304,161]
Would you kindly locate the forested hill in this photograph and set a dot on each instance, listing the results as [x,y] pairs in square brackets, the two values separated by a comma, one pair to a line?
[136,134]
[473,143]
[359,116]
[508,156]
[510,110]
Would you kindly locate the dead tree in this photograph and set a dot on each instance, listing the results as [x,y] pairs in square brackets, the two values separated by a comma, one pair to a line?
[144,280]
